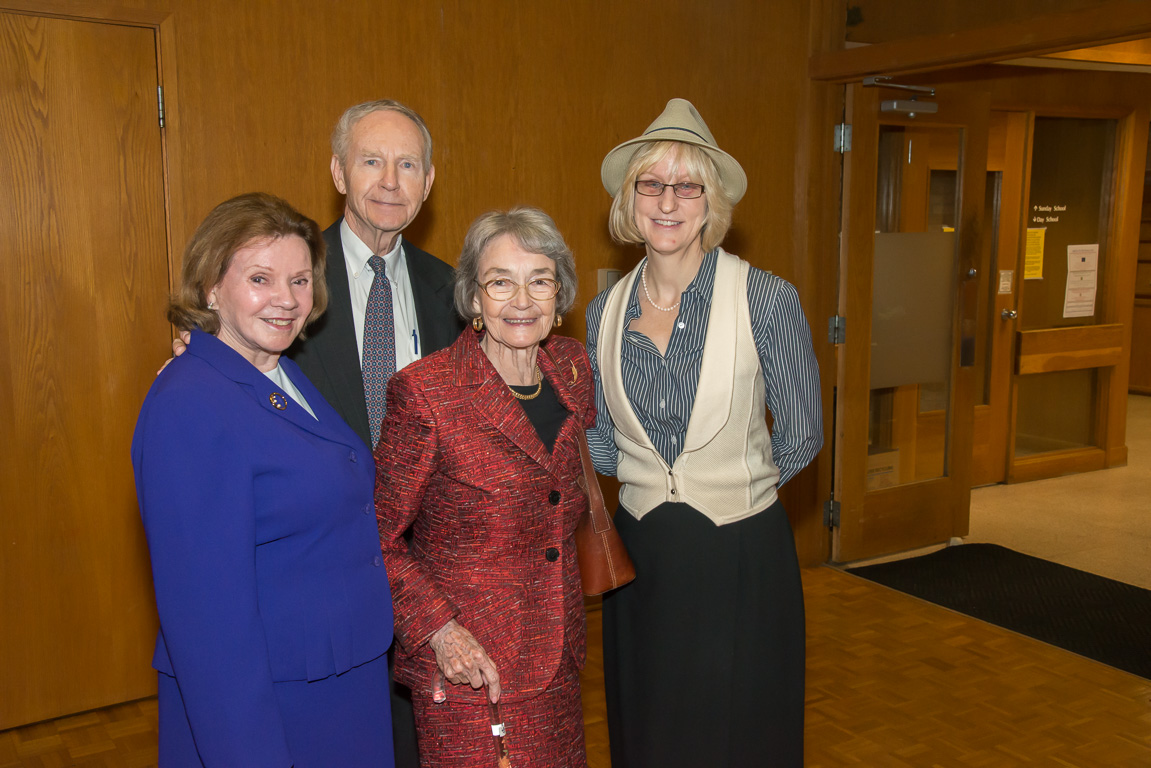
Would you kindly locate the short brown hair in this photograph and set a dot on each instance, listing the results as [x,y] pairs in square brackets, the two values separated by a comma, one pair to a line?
[699,166]
[231,226]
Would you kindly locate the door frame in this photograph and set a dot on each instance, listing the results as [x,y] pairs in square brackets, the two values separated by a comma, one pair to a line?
[876,523]
[1105,345]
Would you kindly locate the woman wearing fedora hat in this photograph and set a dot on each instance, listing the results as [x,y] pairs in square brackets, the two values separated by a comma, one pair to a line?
[704,651]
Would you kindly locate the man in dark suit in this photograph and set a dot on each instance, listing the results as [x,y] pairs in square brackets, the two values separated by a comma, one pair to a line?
[382,164]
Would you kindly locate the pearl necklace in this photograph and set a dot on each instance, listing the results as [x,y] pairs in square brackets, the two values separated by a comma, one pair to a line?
[643,278]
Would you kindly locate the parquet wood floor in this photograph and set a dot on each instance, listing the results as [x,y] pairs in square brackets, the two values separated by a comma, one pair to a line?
[892,682]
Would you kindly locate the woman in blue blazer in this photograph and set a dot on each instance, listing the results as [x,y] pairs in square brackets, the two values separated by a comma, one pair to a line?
[275,614]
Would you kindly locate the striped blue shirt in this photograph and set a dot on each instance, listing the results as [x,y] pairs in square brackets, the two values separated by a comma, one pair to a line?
[661,388]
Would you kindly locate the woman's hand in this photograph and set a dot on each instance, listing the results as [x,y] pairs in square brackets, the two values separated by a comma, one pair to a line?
[462,659]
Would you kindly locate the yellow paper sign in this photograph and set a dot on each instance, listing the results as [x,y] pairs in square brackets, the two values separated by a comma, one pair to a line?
[1033,258]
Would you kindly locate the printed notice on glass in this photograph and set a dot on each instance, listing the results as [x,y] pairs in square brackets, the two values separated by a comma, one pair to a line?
[1082,270]
[1033,258]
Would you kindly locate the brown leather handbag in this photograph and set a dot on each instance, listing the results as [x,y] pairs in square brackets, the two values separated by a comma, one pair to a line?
[604,563]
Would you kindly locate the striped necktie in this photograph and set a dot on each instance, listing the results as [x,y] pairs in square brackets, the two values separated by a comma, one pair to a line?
[379,346]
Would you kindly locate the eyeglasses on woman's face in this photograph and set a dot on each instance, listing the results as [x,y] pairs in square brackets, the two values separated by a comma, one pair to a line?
[538,288]
[652,188]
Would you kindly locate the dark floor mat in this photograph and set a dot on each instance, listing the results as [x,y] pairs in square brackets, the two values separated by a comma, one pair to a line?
[1096,617]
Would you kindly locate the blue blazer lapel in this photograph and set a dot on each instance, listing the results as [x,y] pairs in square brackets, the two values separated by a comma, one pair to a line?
[328,424]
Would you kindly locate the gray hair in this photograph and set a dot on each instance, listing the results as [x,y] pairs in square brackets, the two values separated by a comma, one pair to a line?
[535,232]
[342,134]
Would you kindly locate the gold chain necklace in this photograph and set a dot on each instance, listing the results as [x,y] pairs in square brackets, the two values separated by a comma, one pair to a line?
[533,395]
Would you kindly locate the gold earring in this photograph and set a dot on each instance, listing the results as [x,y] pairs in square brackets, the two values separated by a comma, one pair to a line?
[478,323]
[559,320]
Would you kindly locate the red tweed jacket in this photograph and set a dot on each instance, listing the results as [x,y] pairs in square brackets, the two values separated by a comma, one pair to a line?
[493,515]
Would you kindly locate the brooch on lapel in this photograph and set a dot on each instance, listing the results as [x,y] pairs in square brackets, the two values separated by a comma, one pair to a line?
[279,402]
[575,374]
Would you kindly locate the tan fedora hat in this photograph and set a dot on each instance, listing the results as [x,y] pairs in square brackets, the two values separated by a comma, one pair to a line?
[680,121]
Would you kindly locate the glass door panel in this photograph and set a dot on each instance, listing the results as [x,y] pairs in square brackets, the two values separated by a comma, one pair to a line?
[1068,213]
[912,306]
[910,285]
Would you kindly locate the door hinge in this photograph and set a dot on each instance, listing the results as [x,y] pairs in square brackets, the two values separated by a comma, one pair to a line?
[843,137]
[837,329]
[831,514]
[160,102]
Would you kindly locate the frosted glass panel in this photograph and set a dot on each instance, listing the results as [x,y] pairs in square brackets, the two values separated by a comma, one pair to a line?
[912,308]
[913,305]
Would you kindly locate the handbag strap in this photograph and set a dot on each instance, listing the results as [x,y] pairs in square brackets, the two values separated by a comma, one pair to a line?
[600,521]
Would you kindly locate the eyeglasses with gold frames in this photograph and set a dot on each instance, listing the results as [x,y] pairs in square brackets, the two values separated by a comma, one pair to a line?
[538,288]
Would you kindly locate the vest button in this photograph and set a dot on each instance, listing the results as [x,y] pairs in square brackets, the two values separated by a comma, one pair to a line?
[552,554]
[554,497]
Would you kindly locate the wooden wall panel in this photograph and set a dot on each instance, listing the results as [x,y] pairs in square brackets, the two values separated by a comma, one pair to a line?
[880,21]
[81,329]
[523,101]
[1068,349]
[1002,37]
[1140,350]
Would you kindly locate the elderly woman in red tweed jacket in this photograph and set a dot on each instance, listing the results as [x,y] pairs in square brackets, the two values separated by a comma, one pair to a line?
[479,456]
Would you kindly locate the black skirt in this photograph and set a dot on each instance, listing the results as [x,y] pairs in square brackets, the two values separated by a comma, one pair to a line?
[704,652]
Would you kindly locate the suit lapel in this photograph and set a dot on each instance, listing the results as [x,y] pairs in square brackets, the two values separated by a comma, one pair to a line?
[561,373]
[493,402]
[271,396]
[428,294]
[336,344]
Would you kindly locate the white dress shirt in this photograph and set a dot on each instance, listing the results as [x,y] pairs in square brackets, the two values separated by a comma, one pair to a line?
[360,277]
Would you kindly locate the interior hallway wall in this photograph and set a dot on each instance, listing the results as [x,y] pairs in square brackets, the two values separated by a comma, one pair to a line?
[523,101]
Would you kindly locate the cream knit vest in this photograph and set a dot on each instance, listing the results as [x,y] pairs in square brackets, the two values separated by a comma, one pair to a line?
[725,469]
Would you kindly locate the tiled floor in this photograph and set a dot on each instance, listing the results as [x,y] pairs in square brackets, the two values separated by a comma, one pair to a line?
[1097,521]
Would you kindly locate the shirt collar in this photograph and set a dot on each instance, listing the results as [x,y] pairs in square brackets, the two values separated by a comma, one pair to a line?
[356,254]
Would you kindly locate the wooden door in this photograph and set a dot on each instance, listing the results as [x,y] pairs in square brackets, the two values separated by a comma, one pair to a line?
[998,304]
[1070,363]
[82,330]
[910,279]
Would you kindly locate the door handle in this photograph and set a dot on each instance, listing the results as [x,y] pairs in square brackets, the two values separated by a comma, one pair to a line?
[1009,314]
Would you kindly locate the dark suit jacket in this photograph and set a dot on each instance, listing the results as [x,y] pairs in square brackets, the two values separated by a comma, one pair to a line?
[494,514]
[329,357]
[265,554]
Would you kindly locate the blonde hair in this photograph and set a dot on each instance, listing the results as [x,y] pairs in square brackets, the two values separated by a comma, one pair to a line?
[700,169]
[231,226]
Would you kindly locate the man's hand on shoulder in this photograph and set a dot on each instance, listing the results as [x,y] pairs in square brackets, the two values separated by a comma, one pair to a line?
[179,346]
